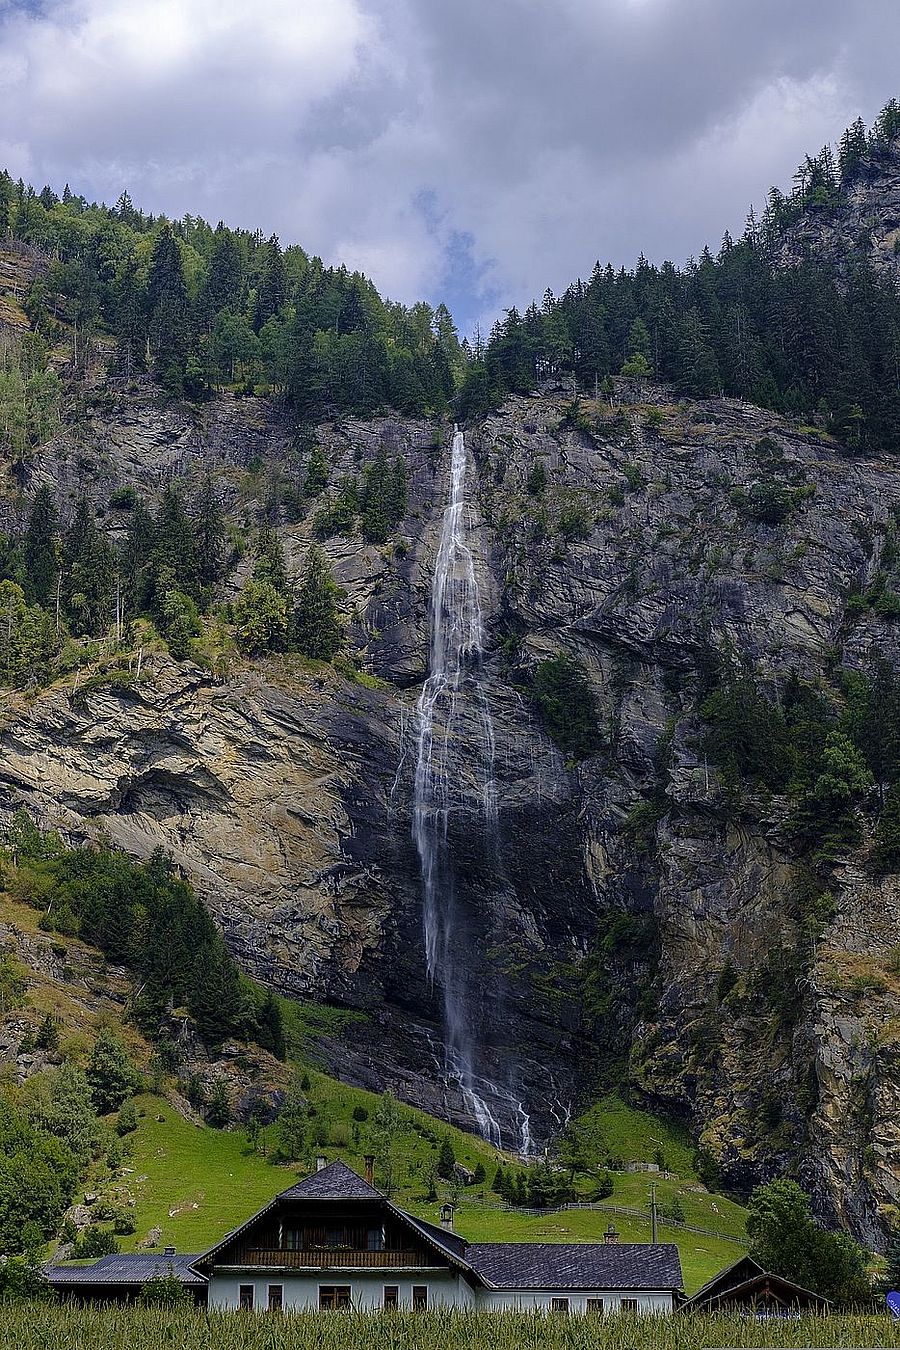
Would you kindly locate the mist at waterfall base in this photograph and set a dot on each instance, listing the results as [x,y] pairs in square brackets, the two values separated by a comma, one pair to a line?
[453,775]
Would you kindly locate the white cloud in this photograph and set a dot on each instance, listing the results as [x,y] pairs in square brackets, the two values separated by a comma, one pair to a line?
[549,134]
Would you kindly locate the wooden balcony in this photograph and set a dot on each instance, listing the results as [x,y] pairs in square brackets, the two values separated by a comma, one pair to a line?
[331,1258]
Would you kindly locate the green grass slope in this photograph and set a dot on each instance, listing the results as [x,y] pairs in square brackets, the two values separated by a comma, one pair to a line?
[193,1183]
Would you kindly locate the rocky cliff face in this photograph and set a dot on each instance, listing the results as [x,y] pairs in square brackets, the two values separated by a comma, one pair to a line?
[865,221]
[598,928]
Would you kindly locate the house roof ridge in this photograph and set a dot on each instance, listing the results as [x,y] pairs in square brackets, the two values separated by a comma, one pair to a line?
[336,1180]
[742,1260]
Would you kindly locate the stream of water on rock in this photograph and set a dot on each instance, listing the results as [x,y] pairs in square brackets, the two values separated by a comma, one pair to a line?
[454,717]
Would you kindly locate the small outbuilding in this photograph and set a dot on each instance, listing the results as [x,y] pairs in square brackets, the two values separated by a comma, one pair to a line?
[120,1278]
[746,1286]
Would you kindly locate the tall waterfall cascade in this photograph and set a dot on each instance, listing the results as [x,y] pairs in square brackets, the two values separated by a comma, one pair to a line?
[455,774]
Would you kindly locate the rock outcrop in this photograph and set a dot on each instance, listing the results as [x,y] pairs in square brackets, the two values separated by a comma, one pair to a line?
[284,789]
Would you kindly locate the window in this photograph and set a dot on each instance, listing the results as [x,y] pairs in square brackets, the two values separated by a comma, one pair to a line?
[392,1296]
[335,1237]
[559,1305]
[276,1297]
[334,1296]
[245,1296]
[628,1305]
[375,1240]
[595,1305]
[419,1297]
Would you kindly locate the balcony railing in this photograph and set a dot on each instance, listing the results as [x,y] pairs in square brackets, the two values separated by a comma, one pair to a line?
[331,1258]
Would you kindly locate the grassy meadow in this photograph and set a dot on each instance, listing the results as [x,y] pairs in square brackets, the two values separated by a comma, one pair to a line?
[39,1327]
[194,1183]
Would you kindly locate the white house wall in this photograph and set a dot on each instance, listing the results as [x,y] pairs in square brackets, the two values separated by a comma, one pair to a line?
[301,1291]
[531,1300]
[367,1288]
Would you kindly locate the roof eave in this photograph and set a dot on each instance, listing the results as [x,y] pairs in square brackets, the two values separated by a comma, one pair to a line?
[451,1256]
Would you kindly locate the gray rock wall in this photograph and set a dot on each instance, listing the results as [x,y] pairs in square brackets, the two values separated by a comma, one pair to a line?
[284,791]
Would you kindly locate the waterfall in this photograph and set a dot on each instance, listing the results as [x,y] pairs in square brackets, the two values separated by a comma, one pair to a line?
[455,773]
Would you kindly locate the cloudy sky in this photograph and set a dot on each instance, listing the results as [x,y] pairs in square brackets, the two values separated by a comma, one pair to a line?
[470,150]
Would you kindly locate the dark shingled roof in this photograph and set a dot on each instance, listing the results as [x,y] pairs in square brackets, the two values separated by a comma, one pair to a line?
[335,1182]
[567,1265]
[126,1268]
[451,1242]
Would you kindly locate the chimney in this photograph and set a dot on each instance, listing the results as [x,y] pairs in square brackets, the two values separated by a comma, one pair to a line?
[610,1237]
[447,1217]
[321,1163]
[168,1251]
[370,1168]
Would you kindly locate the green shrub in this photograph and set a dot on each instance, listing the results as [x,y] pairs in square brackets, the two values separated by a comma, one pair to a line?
[536,481]
[93,1242]
[165,1290]
[565,701]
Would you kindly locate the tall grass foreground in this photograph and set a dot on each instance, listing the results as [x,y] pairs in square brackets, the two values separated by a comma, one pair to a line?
[61,1327]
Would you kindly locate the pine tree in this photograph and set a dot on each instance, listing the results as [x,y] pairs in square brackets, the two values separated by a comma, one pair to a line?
[215,998]
[89,567]
[697,370]
[129,306]
[316,627]
[352,318]
[174,564]
[47,1037]
[137,559]
[269,565]
[375,498]
[223,283]
[270,1027]
[272,290]
[316,479]
[167,299]
[41,549]
[209,534]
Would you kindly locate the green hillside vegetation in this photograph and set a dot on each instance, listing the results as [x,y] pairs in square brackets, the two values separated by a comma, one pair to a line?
[146,918]
[203,309]
[194,1183]
[76,1125]
[86,1121]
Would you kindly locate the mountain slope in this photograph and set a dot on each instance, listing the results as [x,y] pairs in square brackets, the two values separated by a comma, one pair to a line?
[690,605]
[277,787]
